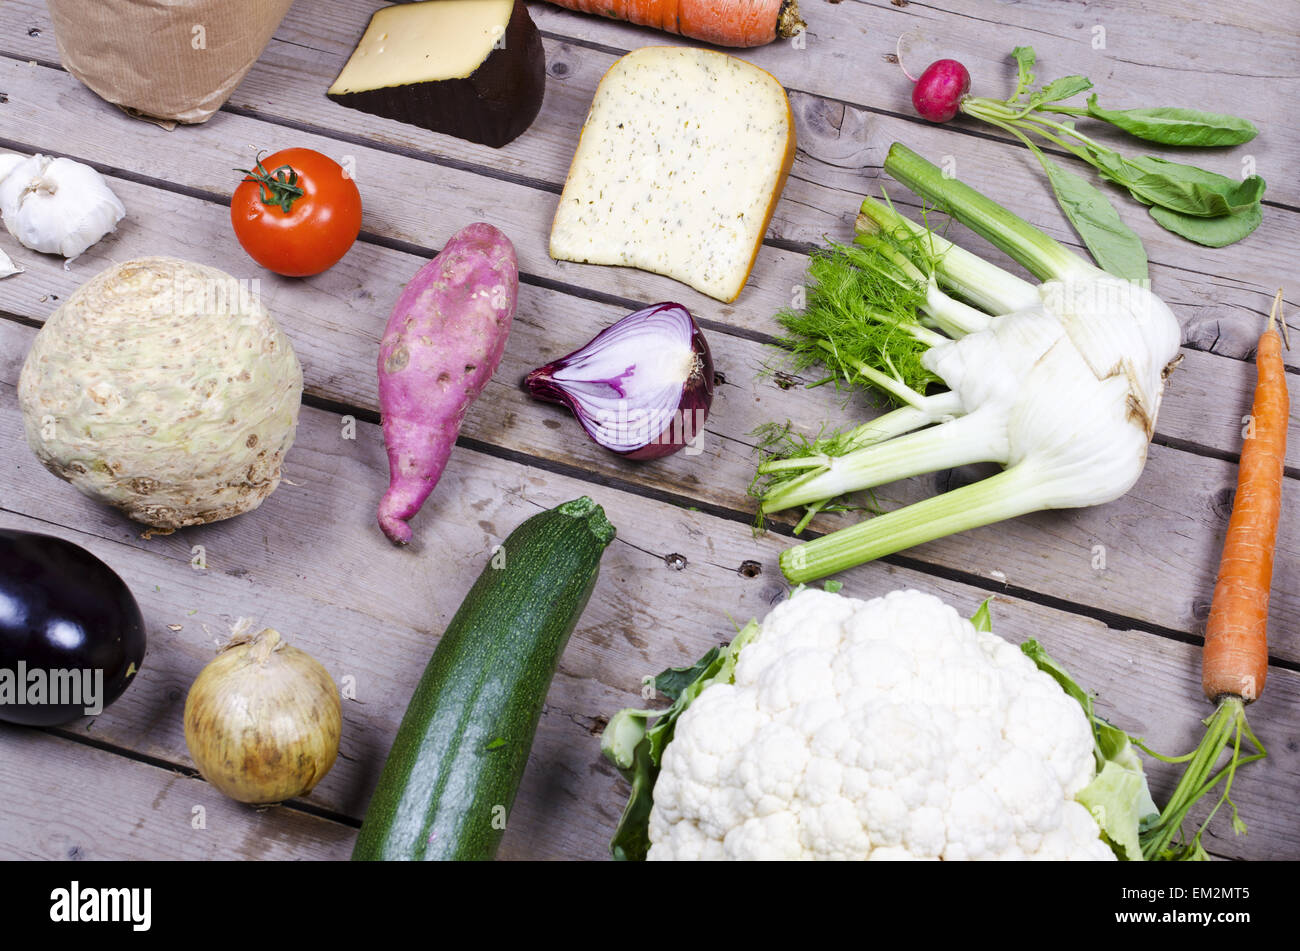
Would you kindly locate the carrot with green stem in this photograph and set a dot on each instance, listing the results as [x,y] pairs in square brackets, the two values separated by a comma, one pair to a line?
[1234,661]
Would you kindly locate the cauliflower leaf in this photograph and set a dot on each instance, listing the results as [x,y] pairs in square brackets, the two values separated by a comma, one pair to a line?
[634,740]
[1118,798]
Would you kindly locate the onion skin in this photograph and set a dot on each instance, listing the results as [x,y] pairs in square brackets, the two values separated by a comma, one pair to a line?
[263,720]
[696,400]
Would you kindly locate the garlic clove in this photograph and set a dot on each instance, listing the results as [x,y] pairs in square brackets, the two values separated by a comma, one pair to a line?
[7,266]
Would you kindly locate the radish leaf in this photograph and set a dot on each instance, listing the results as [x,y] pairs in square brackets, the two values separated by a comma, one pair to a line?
[1172,126]
[1115,247]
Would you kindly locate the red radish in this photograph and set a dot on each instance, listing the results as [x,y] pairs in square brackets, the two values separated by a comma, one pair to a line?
[939,90]
[442,344]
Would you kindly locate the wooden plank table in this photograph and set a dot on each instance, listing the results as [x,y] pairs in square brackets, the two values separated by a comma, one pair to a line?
[311,562]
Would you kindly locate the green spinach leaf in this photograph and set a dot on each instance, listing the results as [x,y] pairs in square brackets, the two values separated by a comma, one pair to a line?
[1062,88]
[1114,246]
[1172,126]
[1212,232]
[1191,190]
[1024,57]
[1114,167]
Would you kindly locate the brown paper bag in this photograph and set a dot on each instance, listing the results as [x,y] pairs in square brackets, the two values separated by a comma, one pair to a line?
[175,60]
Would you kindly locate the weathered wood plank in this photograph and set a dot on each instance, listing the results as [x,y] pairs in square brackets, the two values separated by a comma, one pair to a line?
[373,629]
[66,800]
[335,320]
[1206,401]
[1203,280]
[396,214]
[1237,61]
[311,562]
[44,106]
[407,198]
[50,110]
[570,799]
[270,549]
[1218,294]
[377,656]
[847,60]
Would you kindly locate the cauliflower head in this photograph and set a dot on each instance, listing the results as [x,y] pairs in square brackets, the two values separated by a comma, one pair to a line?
[882,729]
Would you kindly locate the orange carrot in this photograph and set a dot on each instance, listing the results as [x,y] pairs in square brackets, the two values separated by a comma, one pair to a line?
[1235,659]
[721,22]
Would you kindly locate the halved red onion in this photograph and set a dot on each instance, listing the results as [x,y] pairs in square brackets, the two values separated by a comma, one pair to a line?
[641,388]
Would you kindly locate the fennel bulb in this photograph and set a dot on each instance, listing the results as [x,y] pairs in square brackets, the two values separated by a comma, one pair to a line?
[1061,385]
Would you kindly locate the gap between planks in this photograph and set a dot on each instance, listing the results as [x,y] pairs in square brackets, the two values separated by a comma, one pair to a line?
[1026,618]
[1111,619]
[484,162]
[187,771]
[742,514]
[951,553]
[152,812]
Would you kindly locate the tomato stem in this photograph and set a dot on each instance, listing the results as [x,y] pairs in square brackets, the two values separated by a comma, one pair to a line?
[278,187]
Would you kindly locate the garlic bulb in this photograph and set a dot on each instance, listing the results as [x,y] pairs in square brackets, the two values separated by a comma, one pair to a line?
[56,205]
[7,266]
[8,162]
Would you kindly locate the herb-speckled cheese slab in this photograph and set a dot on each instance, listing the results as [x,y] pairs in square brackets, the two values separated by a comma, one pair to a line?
[679,167]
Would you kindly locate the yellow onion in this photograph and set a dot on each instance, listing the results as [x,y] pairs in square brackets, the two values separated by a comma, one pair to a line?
[262,719]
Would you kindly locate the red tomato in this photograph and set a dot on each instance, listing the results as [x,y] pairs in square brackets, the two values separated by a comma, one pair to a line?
[297,212]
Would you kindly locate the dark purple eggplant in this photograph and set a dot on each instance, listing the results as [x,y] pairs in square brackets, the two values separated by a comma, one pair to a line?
[62,610]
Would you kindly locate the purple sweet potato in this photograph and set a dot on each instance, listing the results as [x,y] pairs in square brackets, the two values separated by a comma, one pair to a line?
[441,346]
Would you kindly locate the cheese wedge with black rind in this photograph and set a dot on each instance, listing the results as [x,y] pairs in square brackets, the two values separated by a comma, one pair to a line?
[678,169]
[422,65]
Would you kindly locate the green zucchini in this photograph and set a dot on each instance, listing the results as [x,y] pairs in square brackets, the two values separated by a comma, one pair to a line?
[450,779]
